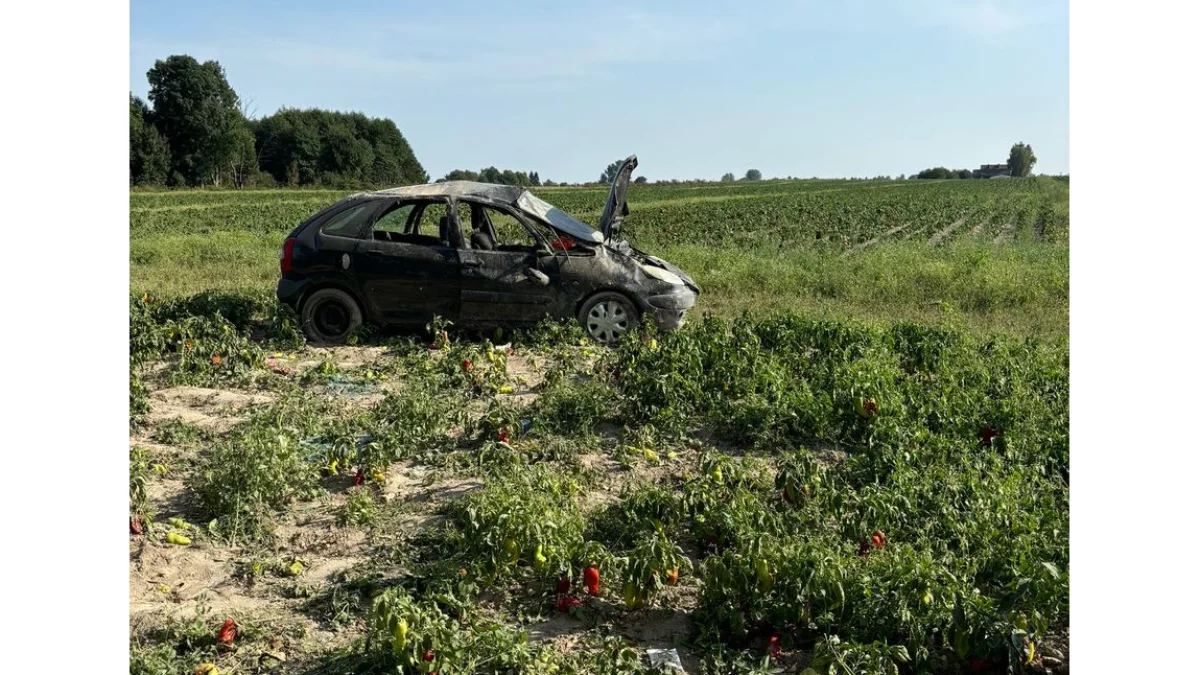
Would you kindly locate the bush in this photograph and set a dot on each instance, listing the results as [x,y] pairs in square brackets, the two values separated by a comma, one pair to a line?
[243,478]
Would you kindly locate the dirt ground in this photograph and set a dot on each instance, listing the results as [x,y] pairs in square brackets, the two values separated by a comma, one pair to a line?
[171,582]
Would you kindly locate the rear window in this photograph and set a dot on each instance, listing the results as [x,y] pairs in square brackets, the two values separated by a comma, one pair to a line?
[349,223]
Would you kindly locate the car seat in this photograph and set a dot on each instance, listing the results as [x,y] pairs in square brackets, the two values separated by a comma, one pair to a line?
[479,238]
[481,241]
[444,230]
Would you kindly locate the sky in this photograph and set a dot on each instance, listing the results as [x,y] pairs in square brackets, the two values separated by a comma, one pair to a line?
[856,88]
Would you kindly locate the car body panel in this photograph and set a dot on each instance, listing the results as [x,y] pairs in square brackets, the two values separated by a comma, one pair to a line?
[497,287]
[408,283]
[615,209]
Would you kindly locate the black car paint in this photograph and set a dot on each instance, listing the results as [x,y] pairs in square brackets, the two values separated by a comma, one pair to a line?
[404,283]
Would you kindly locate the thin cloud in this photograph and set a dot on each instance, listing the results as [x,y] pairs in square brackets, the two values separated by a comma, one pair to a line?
[985,19]
[519,52]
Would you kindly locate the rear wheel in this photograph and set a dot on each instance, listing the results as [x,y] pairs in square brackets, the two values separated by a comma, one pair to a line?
[608,316]
[330,316]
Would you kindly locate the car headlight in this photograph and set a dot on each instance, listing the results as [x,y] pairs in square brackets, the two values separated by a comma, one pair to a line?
[662,275]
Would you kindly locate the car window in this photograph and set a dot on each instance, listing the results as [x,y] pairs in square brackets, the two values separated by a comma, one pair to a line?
[395,220]
[510,233]
[431,219]
[349,223]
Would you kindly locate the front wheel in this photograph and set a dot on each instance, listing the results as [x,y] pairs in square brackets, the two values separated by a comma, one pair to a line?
[608,316]
[330,316]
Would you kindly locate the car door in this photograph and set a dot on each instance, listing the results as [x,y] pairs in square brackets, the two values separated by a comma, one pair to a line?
[328,248]
[407,272]
[513,283]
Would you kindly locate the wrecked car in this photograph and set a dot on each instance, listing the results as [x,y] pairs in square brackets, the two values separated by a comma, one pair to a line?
[478,255]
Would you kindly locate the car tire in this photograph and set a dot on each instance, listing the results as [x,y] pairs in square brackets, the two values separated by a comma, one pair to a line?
[607,316]
[329,316]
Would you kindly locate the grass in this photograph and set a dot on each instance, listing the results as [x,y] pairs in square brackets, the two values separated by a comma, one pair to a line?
[1020,288]
[775,246]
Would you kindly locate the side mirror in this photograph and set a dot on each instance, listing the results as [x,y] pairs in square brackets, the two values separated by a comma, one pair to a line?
[536,276]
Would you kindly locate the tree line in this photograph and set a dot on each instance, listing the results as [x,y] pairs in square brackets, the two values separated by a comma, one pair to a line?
[1020,164]
[195,131]
[497,176]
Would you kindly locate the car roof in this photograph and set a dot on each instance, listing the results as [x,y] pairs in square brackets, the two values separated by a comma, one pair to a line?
[508,194]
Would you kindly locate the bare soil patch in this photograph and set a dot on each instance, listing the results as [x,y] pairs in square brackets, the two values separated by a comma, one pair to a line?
[212,409]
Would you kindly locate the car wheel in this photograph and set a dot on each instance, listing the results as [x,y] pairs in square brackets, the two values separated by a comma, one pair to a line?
[330,316]
[607,316]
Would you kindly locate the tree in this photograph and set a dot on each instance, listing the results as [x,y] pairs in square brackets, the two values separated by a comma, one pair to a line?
[197,112]
[1021,160]
[496,176]
[640,180]
[460,174]
[753,174]
[610,172]
[149,156]
[320,147]
[728,178]
[936,173]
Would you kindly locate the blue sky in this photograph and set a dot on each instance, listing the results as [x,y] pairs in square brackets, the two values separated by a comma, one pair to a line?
[830,89]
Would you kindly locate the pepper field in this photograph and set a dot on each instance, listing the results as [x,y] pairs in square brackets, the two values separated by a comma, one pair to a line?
[854,459]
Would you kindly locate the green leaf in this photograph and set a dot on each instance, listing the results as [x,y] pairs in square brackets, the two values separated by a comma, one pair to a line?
[1052,569]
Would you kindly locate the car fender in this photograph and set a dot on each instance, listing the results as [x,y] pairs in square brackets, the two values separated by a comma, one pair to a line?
[319,284]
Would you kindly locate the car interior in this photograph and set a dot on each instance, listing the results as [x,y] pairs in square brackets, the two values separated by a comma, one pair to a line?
[486,236]
[491,229]
[401,222]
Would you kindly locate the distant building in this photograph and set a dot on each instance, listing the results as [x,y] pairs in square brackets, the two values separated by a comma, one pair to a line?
[990,170]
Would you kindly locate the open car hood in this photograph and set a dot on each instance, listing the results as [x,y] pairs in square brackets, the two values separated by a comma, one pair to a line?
[615,209]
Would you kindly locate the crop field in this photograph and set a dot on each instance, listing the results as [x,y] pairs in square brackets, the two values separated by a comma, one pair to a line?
[987,254]
[816,475]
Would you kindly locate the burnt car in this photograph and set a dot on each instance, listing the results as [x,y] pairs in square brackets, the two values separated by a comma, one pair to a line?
[478,255]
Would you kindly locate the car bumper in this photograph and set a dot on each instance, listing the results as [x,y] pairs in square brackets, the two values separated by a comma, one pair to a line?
[289,292]
[668,309]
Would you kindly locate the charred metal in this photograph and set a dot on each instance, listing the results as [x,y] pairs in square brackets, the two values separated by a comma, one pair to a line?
[478,255]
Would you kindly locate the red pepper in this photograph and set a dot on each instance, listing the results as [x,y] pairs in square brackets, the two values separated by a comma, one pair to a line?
[227,633]
[563,585]
[359,477]
[427,656]
[566,602]
[135,524]
[878,539]
[591,579]
[987,434]
[502,436]
[467,366]
[773,647]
